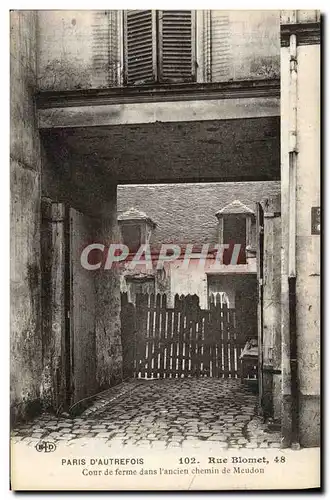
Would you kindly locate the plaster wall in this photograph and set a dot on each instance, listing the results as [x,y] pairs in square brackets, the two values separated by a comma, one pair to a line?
[80,189]
[25,163]
[77,49]
[83,48]
[245,44]
[307,245]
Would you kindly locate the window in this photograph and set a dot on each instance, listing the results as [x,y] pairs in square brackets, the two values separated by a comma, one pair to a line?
[131,234]
[234,233]
[159,46]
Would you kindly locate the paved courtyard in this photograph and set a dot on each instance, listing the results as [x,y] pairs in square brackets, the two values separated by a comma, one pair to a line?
[161,414]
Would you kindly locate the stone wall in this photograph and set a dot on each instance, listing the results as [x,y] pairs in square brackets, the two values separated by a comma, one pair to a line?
[25,164]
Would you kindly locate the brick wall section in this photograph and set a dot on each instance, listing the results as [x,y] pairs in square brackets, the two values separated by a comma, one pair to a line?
[185,213]
[242,149]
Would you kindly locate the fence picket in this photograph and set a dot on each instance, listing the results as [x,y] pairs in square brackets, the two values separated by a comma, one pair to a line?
[218,341]
[175,336]
[169,316]
[162,344]
[187,333]
[180,337]
[193,335]
[231,336]
[225,339]
[213,338]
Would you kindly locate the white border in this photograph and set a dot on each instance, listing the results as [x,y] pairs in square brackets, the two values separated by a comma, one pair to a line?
[4,184]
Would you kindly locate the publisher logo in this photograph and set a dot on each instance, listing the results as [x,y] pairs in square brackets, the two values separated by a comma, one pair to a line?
[45,446]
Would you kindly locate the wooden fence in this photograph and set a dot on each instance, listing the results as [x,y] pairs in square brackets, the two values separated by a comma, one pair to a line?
[182,341]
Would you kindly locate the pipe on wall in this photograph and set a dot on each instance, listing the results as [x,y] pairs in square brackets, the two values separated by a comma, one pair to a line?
[292,241]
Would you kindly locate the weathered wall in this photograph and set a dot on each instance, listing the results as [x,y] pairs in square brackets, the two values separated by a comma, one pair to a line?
[307,246]
[83,189]
[191,281]
[168,149]
[77,49]
[83,49]
[26,342]
[53,303]
[176,278]
[108,326]
[194,279]
[245,44]
[272,307]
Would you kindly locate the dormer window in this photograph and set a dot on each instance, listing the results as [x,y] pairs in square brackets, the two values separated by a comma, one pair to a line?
[136,228]
[235,228]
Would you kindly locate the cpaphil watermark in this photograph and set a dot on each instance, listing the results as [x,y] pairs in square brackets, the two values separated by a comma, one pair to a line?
[99,256]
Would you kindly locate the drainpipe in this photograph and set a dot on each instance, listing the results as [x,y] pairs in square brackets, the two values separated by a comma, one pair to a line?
[292,240]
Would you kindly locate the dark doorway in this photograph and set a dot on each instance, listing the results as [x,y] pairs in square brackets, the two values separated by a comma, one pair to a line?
[234,233]
[240,293]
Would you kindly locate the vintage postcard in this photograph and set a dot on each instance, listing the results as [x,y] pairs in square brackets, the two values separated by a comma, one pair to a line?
[165,249]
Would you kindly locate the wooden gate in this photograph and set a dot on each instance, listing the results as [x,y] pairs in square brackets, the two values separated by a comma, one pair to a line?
[162,342]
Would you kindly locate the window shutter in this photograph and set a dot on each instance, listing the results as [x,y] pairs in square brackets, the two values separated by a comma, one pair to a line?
[220,46]
[176,46]
[140,46]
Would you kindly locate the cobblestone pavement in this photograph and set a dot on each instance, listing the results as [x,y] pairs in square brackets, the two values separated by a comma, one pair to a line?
[161,414]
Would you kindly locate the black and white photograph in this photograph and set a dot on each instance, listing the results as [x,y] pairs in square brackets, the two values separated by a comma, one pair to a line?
[165,226]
